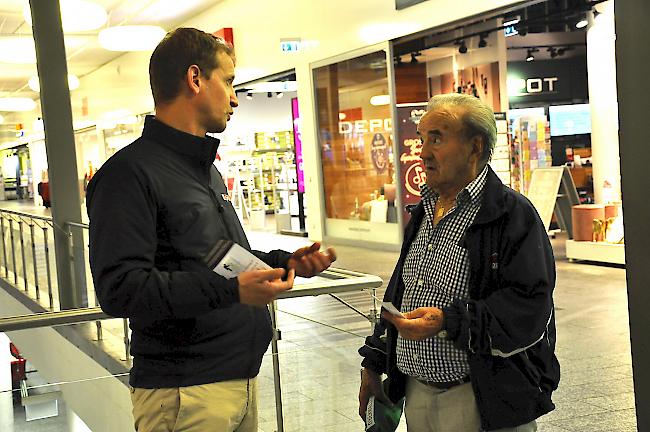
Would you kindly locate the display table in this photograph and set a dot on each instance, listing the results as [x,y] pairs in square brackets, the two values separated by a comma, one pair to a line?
[331,281]
[595,251]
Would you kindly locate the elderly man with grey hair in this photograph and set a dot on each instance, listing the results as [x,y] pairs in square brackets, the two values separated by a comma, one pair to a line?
[474,349]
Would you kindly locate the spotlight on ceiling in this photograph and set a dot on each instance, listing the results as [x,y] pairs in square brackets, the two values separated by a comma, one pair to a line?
[482,43]
[279,95]
[398,60]
[552,51]
[582,21]
[463,47]
[269,94]
[414,57]
[249,96]
[529,54]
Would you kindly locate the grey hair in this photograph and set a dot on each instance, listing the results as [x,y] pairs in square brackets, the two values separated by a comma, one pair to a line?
[477,119]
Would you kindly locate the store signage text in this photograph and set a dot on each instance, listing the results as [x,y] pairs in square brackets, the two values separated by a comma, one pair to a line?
[520,86]
[358,127]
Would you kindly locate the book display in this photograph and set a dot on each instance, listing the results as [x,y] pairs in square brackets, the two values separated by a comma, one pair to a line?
[531,149]
[500,162]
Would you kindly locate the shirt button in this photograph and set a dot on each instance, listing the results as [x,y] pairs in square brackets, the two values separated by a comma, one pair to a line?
[415,356]
[430,247]
[420,282]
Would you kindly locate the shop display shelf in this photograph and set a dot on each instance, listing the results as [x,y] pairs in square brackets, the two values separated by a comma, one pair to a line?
[595,251]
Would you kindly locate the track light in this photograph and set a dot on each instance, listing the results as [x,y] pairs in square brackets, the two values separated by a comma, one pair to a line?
[249,96]
[269,94]
[279,95]
[529,54]
[463,48]
[414,57]
[399,61]
[582,21]
[482,43]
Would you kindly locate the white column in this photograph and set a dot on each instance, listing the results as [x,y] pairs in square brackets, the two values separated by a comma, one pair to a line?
[601,68]
[6,401]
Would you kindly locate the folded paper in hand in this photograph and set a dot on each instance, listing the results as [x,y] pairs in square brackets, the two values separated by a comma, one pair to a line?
[228,259]
[392,309]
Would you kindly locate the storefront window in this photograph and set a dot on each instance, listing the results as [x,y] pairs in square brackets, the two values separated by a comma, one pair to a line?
[355,137]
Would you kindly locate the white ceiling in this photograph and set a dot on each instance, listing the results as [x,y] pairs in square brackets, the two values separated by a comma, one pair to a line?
[83,52]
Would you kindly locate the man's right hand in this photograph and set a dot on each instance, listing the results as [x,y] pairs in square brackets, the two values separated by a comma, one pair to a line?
[261,287]
[371,386]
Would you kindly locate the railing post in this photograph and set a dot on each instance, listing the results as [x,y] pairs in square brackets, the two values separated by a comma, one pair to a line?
[33,240]
[127,340]
[22,251]
[13,250]
[78,264]
[48,271]
[4,247]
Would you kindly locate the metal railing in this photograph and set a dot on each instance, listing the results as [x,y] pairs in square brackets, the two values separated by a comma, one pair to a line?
[40,240]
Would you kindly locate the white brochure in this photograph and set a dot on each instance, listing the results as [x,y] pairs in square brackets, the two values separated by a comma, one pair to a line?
[237,260]
[391,309]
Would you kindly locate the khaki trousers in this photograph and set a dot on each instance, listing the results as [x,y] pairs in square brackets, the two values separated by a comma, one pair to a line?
[227,406]
[428,409]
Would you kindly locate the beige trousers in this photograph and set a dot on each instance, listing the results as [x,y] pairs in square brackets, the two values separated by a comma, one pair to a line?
[431,410]
[227,406]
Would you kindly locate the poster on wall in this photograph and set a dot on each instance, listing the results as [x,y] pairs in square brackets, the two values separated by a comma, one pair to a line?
[481,81]
[411,172]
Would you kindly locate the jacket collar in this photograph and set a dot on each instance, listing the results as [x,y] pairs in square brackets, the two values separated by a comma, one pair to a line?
[200,149]
[492,204]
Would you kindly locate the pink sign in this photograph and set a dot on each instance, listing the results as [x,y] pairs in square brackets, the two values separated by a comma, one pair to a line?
[295,114]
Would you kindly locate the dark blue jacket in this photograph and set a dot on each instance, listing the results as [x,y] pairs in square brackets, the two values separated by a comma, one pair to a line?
[507,326]
[156,209]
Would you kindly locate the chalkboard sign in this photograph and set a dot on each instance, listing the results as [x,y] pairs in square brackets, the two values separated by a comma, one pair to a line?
[551,191]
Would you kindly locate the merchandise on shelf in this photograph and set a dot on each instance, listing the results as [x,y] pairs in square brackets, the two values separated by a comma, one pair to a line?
[531,149]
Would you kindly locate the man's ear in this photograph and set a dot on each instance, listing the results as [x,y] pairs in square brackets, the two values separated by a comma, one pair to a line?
[478,144]
[192,79]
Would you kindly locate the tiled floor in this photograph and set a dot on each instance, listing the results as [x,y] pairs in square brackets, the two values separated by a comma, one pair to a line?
[320,337]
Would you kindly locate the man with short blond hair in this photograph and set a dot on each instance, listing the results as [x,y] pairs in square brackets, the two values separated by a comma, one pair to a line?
[157,208]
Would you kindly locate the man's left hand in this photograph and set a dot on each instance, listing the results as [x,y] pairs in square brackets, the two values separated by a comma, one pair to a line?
[309,261]
[422,323]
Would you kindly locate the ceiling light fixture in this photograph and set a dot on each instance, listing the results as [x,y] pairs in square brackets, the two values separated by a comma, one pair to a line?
[131,38]
[582,21]
[414,57]
[17,50]
[482,43]
[553,52]
[279,95]
[249,96]
[463,47]
[17,104]
[34,84]
[76,15]
[380,100]
[529,54]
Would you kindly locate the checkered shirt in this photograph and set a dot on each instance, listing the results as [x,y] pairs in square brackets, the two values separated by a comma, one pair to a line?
[436,271]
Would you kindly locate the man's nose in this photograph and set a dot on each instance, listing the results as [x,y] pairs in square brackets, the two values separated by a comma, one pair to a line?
[234,102]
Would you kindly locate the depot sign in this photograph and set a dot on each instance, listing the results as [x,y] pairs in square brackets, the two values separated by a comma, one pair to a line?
[359,127]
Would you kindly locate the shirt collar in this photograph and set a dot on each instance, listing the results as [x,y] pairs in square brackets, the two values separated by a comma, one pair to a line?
[201,149]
